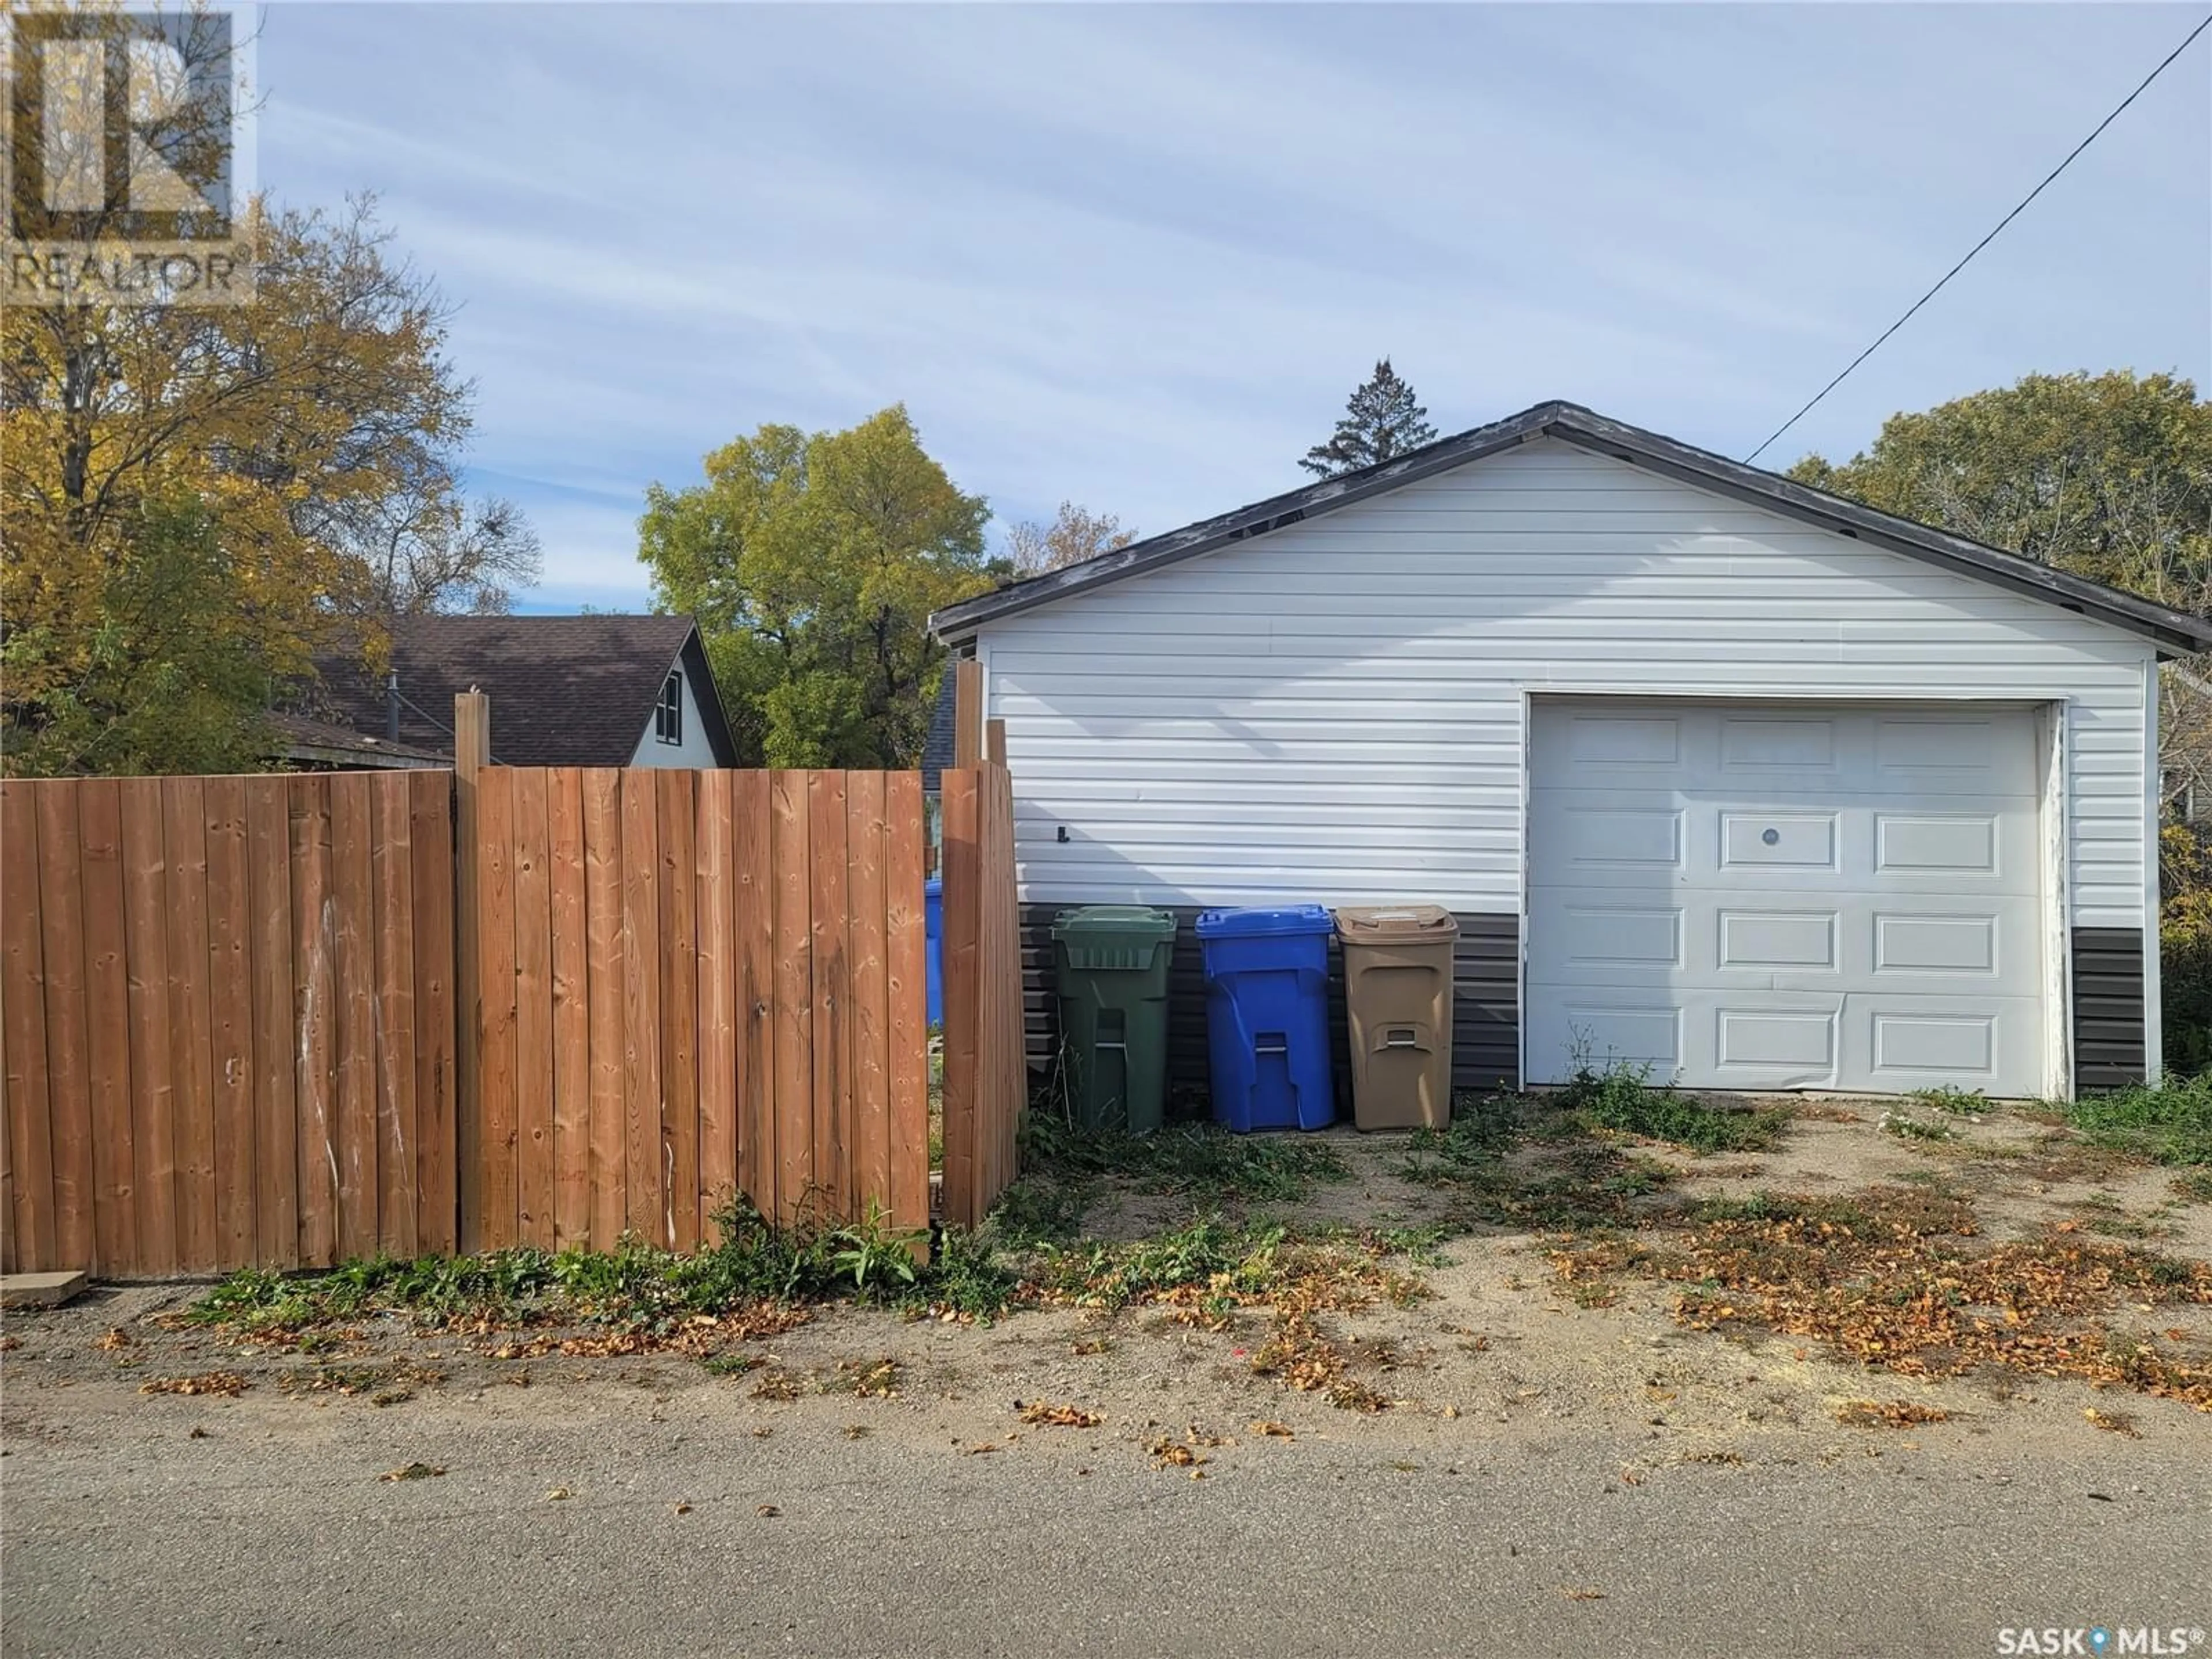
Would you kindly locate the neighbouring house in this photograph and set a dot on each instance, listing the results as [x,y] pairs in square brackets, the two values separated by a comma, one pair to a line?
[1720,775]
[591,690]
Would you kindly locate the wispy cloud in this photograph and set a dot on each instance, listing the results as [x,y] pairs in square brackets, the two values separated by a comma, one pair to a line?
[1136,256]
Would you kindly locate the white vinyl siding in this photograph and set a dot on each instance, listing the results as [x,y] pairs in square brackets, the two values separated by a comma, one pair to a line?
[1333,711]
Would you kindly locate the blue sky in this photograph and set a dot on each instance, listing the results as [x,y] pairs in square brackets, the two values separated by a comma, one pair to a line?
[1137,255]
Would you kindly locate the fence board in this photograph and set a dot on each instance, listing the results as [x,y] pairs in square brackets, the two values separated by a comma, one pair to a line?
[641,822]
[868,1160]
[604,931]
[907,1019]
[146,935]
[679,1012]
[791,1092]
[752,920]
[833,991]
[314,991]
[717,1001]
[107,978]
[68,1018]
[572,1014]
[430,848]
[353,957]
[230,1004]
[533,1008]
[392,874]
[498,1213]
[23,1035]
[275,1125]
[184,838]
[962,982]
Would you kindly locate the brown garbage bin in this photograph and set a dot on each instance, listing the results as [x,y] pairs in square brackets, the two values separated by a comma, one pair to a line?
[1398,1006]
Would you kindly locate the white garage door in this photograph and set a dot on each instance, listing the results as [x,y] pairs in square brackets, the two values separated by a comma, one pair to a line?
[1768,898]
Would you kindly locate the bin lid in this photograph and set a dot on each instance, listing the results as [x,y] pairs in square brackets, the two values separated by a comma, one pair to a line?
[1094,920]
[1257,920]
[1396,924]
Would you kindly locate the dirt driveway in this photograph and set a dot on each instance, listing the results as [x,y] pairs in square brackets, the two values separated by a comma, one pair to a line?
[1859,1392]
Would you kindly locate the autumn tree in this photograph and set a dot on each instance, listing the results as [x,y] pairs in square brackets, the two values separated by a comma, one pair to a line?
[1382,421]
[317,432]
[2106,475]
[1074,534]
[813,561]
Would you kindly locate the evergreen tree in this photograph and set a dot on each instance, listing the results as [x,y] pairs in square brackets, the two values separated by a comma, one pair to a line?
[1381,420]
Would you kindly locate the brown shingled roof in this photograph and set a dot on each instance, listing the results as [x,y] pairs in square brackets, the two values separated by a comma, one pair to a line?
[565,691]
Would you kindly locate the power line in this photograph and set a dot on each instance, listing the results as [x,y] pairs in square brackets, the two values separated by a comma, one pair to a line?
[1983,243]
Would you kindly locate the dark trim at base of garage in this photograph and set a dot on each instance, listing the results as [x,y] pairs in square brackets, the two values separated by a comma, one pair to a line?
[2108,1008]
[1486,1030]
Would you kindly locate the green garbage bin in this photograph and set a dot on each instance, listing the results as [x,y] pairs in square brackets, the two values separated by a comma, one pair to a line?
[1110,969]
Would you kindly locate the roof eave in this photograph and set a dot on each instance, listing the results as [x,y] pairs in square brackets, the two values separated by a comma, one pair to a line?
[2175,633]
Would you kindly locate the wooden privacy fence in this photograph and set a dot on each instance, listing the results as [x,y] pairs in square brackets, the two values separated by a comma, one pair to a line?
[693,982]
[284,1020]
[227,1020]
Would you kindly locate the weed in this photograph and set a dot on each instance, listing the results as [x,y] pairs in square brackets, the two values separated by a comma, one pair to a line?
[2194,1185]
[1905,1126]
[1959,1102]
[742,1286]
[1621,1097]
[2170,1123]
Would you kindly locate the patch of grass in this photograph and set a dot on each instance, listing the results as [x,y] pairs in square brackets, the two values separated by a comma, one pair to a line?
[1524,1163]
[1622,1097]
[2170,1123]
[2193,1186]
[1200,1159]
[1906,1126]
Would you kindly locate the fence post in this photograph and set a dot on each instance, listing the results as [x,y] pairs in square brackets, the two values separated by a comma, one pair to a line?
[967,712]
[471,753]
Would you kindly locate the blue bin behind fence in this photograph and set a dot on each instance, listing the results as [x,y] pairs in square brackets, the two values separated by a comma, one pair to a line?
[932,907]
[1266,1016]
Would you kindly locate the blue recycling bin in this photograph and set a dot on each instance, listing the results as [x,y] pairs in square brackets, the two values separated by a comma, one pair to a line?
[933,910]
[1267,1017]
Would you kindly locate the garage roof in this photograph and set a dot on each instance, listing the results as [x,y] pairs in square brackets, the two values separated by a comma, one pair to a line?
[2176,632]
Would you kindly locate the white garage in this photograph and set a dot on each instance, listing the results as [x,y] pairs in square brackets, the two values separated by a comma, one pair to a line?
[1752,896]
[1760,787]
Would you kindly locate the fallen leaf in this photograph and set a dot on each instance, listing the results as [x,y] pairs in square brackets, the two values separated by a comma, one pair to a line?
[2114,1422]
[1573,1594]
[680,1509]
[557,1494]
[1278,1431]
[222,1382]
[413,1471]
[1058,1417]
[768,1511]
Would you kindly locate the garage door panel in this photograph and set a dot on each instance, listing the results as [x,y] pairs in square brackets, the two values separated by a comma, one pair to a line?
[1824,897]
[1771,941]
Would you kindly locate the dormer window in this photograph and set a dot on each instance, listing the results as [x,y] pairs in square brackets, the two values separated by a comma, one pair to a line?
[668,713]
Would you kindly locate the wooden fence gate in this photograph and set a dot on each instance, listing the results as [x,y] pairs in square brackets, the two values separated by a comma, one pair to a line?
[692,983]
